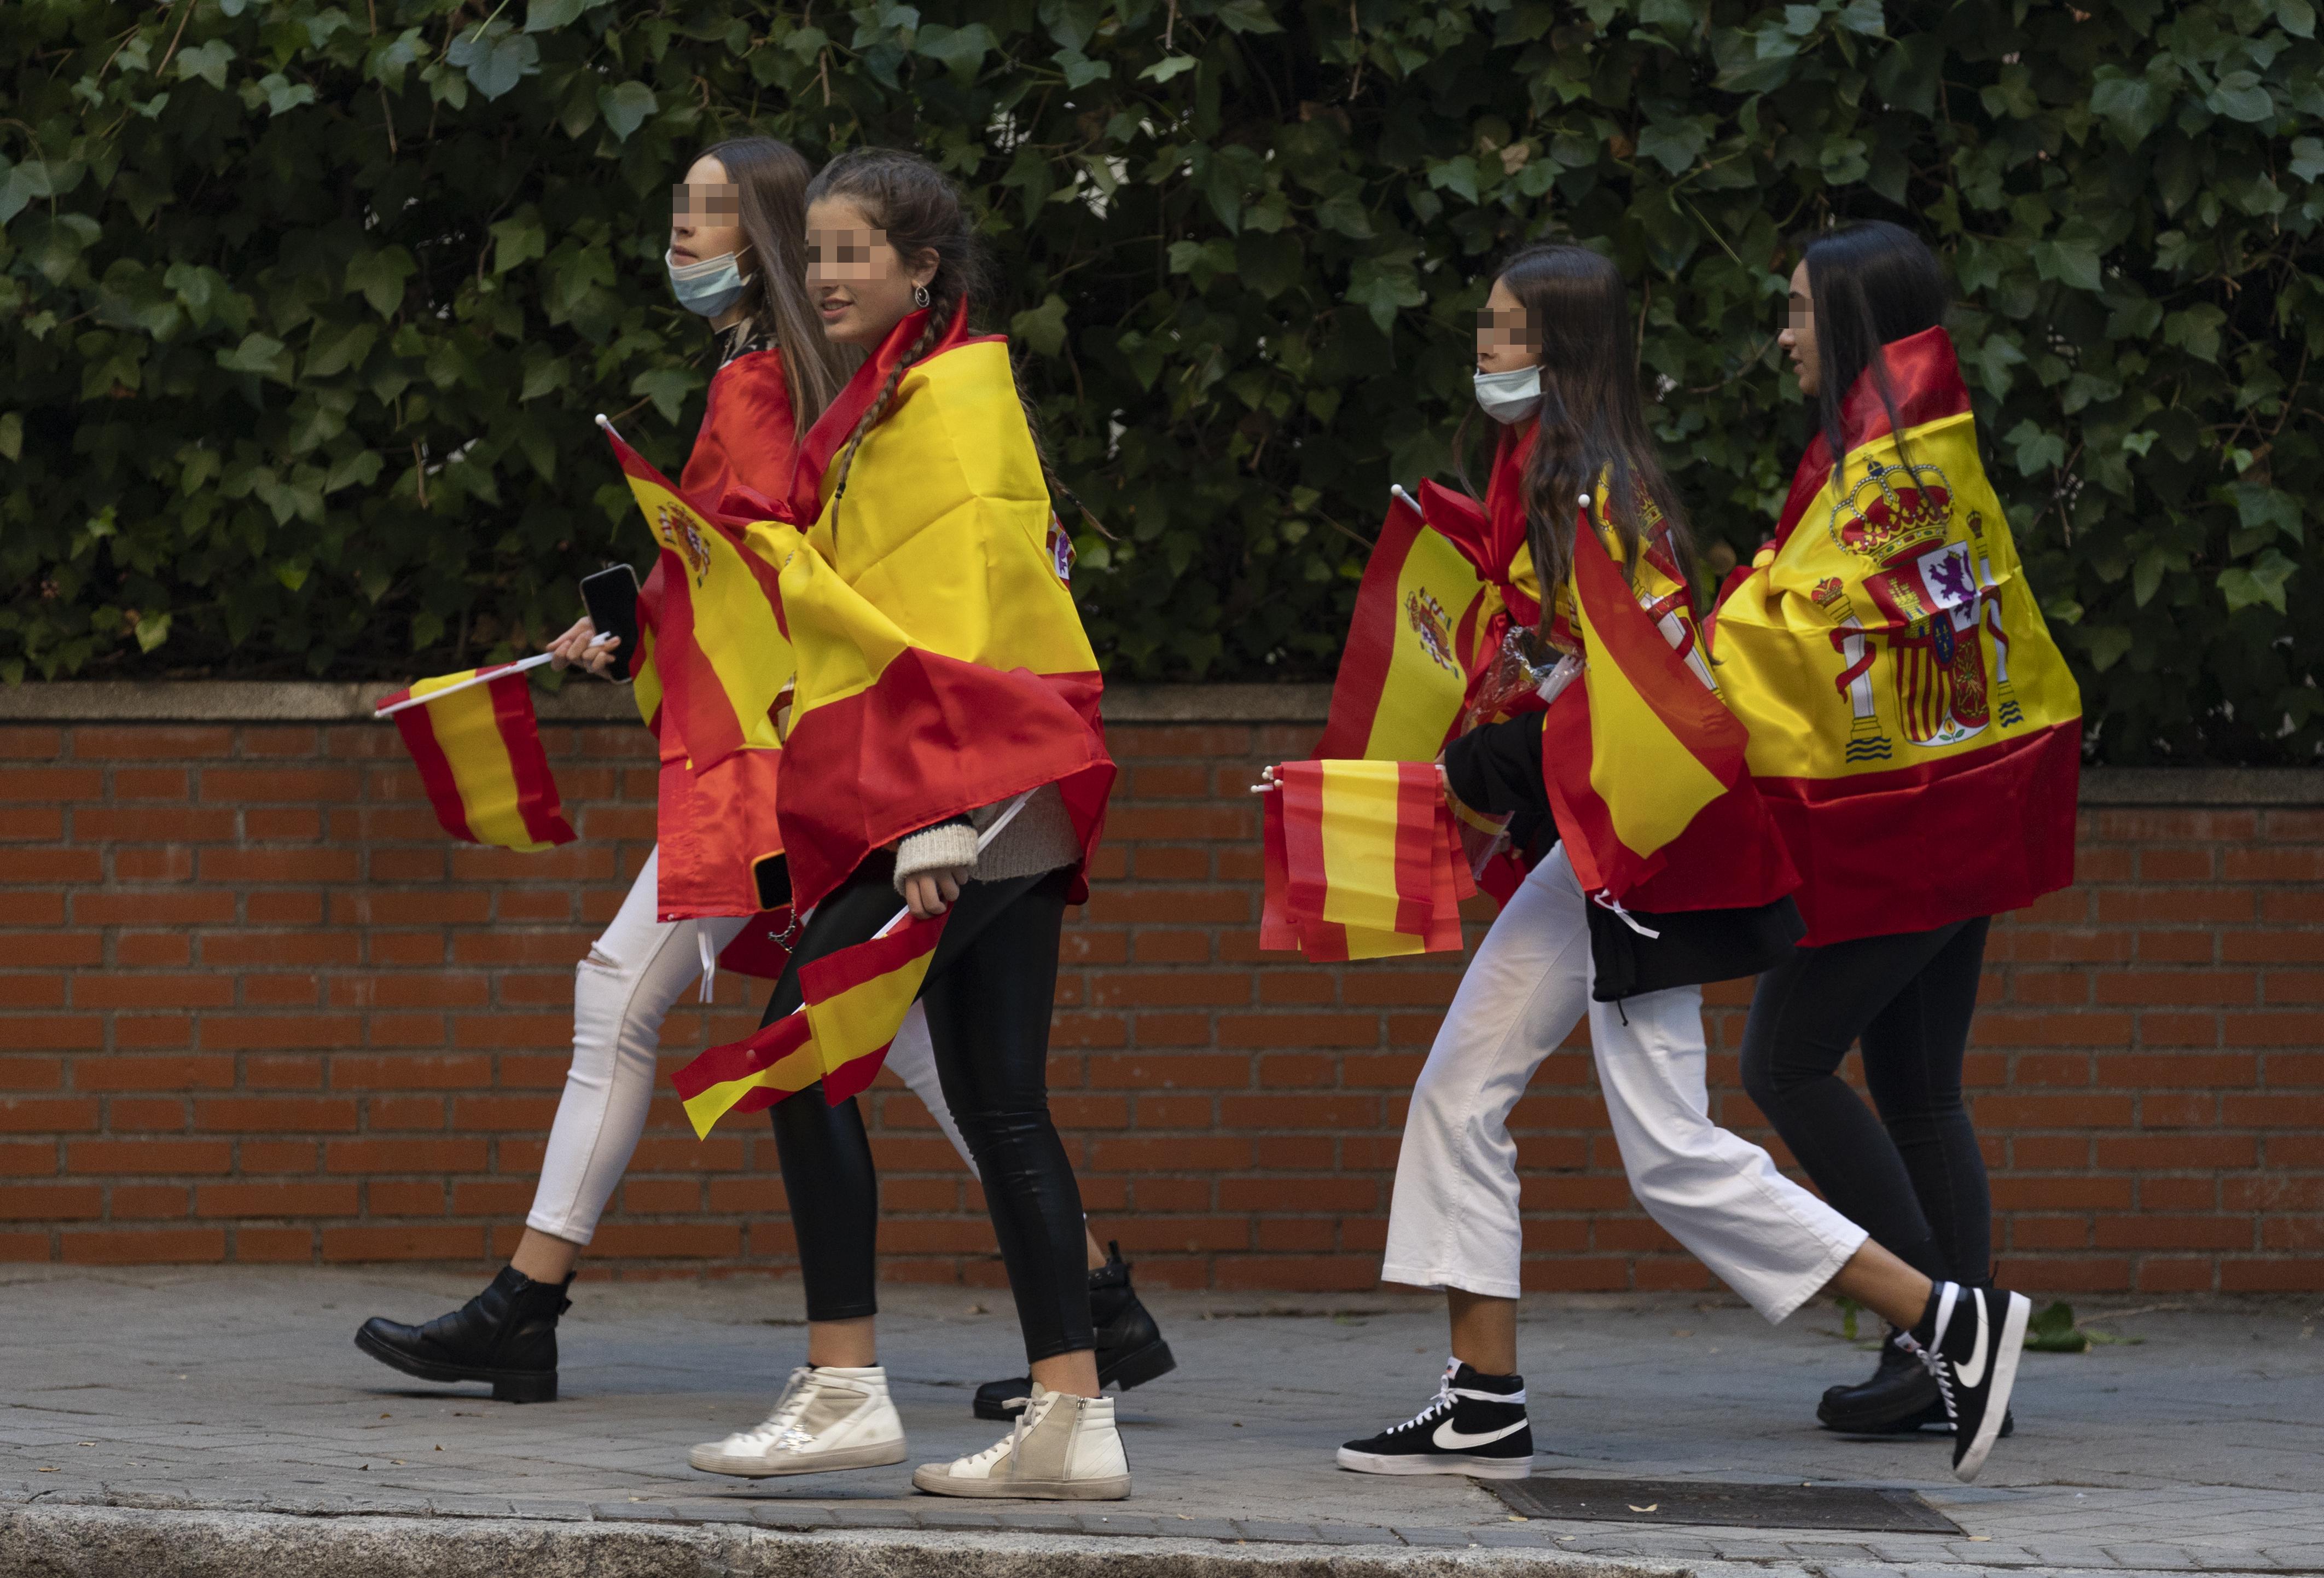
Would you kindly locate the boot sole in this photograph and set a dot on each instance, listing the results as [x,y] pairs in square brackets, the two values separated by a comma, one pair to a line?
[2005,1382]
[1134,1369]
[879,1455]
[932,1478]
[1467,1466]
[508,1385]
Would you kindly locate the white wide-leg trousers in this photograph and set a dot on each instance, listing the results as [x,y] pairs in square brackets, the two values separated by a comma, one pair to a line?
[1454,1220]
[634,975]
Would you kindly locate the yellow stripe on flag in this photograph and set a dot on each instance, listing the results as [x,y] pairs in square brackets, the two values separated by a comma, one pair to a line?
[1426,683]
[645,688]
[467,730]
[794,1072]
[1651,783]
[864,1018]
[735,629]
[1359,836]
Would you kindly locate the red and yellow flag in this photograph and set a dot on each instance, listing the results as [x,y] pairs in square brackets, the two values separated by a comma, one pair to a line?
[942,663]
[1643,746]
[1362,862]
[854,1001]
[1915,729]
[1411,643]
[477,745]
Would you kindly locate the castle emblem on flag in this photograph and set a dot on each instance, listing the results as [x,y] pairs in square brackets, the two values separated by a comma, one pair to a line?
[1932,594]
[683,533]
[1429,622]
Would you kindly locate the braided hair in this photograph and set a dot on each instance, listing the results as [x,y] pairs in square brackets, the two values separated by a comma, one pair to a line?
[919,211]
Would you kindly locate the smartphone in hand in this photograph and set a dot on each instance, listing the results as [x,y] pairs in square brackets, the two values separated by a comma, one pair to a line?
[610,596]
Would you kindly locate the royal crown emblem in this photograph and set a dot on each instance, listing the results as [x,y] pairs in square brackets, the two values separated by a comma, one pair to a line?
[1428,621]
[1893,509]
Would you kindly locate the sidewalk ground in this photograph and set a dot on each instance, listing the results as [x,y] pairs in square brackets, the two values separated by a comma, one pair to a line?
[181,1393]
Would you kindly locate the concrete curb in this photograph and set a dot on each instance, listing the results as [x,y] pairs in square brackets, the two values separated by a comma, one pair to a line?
[105,1542]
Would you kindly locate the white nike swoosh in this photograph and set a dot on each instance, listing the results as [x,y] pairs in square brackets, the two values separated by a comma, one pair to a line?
[1450,1440]
[1972,1374]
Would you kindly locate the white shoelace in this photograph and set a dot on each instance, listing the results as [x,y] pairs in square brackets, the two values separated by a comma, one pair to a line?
[1448,1396]
[780,1428]
[1935,1363]
[1008,1445]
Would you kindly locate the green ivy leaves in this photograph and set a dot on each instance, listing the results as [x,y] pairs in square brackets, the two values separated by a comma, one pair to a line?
[308,306]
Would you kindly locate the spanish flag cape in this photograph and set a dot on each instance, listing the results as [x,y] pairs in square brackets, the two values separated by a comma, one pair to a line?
[1915,732]
[941,662]
[712,659]
[1643,763]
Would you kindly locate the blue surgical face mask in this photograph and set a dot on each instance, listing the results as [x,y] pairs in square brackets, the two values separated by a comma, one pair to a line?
[709,287]
[1509,397]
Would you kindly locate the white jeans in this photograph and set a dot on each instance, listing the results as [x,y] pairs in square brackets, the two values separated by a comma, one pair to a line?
[1455,1223]
[621,991]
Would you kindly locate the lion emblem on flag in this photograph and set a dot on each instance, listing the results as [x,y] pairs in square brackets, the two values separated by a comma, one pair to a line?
[1429,622]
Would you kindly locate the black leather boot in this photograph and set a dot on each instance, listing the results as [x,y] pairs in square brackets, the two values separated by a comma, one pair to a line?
[506,1334]
[1898,1400]
[1130,1351]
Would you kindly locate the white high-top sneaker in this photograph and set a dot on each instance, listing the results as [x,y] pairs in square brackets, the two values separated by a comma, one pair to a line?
[1065,1448]
[827,1419]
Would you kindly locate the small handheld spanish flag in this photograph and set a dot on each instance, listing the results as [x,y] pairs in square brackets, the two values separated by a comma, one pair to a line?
[1363,861]
[477,745]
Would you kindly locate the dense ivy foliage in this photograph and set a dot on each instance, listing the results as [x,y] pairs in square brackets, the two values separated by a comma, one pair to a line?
[306,306]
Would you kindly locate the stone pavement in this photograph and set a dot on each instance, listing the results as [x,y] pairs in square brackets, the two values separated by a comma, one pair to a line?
[197,1395]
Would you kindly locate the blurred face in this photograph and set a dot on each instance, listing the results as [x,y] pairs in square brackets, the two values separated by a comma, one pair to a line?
[860,285]
[705,215]
[1798,338]
[1506,343]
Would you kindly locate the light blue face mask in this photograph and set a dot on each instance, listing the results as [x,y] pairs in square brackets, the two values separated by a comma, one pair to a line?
[709,287]
[1509,397]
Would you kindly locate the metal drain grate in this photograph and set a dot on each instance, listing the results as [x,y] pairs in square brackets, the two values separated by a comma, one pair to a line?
[1853,1507]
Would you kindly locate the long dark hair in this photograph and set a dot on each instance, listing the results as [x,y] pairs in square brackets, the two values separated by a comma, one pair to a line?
[1592,420]
[919,210]
[772,178]
[1870,284]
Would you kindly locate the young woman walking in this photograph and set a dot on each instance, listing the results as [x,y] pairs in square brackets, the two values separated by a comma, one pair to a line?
[1554,364]
[929,583]
[737,257]
[1917,736]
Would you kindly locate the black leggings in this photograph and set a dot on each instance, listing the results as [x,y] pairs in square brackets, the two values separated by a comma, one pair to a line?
[1917,1186]
[988,995]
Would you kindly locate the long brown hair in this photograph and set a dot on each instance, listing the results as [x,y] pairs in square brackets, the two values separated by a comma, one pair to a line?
[772,177]
[920,212]
[1592,434]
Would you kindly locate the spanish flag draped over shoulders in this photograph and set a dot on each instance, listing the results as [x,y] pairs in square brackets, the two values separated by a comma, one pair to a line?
[942,664]
[1914,730]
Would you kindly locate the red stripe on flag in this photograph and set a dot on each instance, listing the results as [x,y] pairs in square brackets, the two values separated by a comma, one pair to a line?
[1419,844]
[1302,790]
[823,979]
[754,1054]
[1372,628]
[1276,931]
[854,1076]
[435,774]
[536,789]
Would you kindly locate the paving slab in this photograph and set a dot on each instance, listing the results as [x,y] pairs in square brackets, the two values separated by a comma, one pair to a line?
[129,1398]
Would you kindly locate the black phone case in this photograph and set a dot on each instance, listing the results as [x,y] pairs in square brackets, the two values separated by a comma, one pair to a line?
[610,596]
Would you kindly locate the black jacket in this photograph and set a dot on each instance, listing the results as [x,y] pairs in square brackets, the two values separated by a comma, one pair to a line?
[1497,769]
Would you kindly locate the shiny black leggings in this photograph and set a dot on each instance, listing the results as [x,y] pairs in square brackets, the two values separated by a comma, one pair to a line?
[988,995]
[1913,1178]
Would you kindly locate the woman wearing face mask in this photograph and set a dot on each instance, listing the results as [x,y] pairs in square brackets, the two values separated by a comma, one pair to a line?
[1918,738]
[1555,363]
[737,260]
[954,760]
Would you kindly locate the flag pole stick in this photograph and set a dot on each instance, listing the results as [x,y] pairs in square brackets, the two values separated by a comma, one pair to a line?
[480,677]
[982,839]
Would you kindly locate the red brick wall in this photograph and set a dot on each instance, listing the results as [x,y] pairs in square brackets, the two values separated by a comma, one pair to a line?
[254,1007]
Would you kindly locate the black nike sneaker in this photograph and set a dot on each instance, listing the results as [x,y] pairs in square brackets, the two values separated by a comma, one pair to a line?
[1901,1399]
[1475,1426]
[1970,1338]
